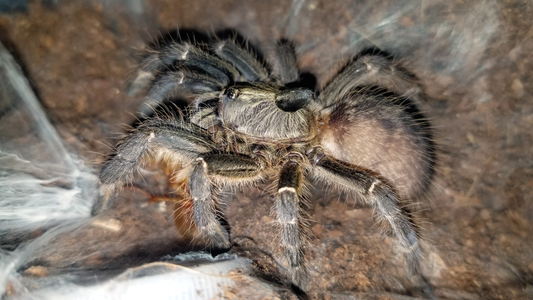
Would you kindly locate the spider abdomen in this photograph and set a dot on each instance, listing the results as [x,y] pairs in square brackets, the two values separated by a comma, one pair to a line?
[380,133]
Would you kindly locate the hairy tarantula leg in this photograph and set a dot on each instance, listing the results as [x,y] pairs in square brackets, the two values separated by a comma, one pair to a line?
[368,70]
[285,67]
[204,206]
[181,55]
[248,65]
[169,82]
[221,168]
[191,82]
[290,219]
[381,196]
[178,139]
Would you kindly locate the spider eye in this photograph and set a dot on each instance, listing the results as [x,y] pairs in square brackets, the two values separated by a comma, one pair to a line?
[232,93]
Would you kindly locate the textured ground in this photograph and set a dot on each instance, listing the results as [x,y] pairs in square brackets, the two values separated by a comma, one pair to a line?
[475,60]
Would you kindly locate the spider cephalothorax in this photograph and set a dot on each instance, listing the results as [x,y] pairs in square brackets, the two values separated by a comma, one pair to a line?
[361,135]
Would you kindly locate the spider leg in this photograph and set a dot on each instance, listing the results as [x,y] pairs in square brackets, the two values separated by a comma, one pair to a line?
[184,56]
[222,168]
[380,195]
[187,68]
[290,219]
[285,67]
[184,67]
[247,64]
[368,70]
[175,139]
[167,83]
[205,86]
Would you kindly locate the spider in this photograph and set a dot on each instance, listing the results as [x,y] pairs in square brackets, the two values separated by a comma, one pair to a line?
[361,134]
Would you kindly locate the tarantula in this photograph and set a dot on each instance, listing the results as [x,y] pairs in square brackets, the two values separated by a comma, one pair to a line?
[361,135]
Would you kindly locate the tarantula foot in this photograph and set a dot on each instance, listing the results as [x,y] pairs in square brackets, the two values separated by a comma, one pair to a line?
[299,277]
[412,259]
[218,237]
